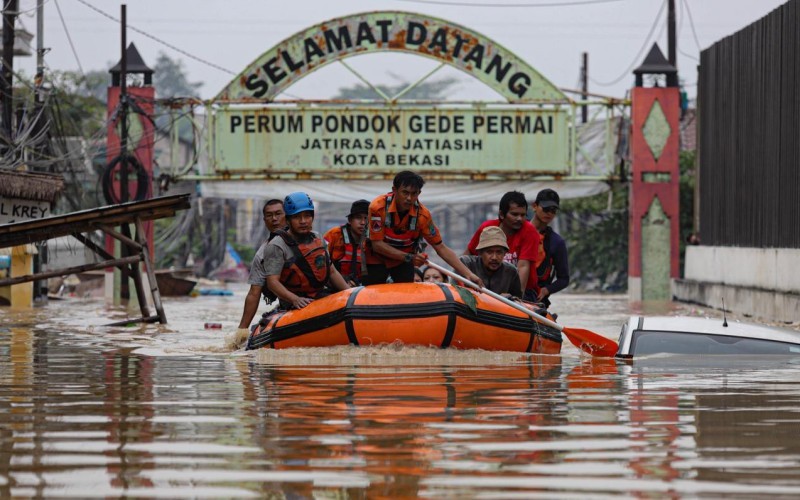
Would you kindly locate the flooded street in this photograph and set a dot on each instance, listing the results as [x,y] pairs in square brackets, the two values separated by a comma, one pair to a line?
[168,411]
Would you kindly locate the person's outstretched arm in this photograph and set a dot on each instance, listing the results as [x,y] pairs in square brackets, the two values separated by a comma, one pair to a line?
[453,261]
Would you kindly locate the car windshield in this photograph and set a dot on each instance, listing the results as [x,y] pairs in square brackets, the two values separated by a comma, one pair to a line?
[654,342]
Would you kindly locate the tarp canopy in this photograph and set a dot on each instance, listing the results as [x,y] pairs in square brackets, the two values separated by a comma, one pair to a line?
[433,192]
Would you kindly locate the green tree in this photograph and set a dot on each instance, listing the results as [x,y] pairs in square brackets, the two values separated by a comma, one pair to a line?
[76,103]
[687,184]
[427,90]
[170,79]
[597,239]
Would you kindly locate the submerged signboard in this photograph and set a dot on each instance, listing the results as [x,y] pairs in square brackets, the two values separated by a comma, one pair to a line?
[334,138]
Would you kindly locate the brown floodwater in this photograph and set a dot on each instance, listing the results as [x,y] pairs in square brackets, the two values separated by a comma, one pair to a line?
[169,411]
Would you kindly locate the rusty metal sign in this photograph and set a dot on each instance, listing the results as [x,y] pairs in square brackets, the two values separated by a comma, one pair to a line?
[335,139]
[292,59]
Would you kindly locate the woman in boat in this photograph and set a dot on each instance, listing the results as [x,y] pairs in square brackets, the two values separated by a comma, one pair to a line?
[432,275]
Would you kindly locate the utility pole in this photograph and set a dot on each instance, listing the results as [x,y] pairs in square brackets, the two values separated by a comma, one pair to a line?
[10,8]
[39,48]
[585,86]
[123,109]
[123,142]
[671,35]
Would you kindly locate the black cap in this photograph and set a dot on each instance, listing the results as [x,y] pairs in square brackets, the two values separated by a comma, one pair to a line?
[359,207]
[547,198]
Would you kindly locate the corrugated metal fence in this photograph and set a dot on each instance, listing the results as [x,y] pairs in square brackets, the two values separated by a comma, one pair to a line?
[749,148]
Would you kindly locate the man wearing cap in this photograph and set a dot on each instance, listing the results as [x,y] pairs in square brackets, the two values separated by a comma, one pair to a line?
[497,275]
[345,243]
[552,268]
[397,224]
[521,237]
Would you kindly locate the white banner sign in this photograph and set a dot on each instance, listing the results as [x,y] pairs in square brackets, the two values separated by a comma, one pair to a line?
[18,210]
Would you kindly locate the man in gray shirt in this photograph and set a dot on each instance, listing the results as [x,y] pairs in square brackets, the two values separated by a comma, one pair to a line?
[498,276]
[274,220]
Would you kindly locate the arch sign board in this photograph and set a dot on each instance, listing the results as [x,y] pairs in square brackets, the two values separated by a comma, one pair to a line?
[252,133]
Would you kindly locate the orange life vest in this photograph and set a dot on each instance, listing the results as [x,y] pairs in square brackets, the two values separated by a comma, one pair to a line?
[405,241]
[307,275]
[350,264]
[544,268]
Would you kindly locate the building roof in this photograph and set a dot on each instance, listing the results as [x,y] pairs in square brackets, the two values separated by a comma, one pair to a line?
[30,185]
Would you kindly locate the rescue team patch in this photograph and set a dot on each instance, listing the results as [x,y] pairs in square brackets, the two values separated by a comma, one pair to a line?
[376,226]
[432,228]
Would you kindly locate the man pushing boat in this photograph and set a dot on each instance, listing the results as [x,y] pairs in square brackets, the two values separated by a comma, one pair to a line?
[397,224]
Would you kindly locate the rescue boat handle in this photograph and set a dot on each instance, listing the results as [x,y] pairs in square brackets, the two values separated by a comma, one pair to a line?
[586,340]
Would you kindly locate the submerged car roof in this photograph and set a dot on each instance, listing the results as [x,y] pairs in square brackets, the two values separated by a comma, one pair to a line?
[714,326]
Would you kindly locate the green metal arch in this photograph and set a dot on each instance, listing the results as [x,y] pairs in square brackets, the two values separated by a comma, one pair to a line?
[306,51]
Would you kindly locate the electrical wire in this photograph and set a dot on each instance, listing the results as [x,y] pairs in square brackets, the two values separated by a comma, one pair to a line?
[691,23]
[680,30]
[27,12]
[638,56]
[154,38]
[568,3]
[69,38]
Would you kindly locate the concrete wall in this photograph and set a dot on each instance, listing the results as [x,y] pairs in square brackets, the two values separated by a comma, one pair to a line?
[760,282]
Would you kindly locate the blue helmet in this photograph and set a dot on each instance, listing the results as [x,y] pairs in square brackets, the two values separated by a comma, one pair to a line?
[297,202]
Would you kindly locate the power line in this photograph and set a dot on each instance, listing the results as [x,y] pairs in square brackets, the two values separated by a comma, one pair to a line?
[568,3]
[680,31]
[162,42]
[638,56]
[33,9]
[691,23]
[69,38]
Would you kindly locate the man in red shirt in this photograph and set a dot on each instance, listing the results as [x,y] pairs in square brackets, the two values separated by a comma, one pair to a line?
[522,237]
[397,223]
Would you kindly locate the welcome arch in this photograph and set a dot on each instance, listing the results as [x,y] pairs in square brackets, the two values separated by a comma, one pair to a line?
[527,137]
[301,54]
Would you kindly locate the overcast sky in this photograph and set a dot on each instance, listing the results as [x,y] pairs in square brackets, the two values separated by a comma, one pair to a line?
[230,34]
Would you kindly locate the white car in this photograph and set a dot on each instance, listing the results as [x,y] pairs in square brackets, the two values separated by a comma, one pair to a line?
[642,336]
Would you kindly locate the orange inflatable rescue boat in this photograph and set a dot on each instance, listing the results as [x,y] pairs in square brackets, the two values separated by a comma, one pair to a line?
[421,314]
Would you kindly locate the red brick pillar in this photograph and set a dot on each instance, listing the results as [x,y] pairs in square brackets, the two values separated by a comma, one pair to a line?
[654,229]
[140,145]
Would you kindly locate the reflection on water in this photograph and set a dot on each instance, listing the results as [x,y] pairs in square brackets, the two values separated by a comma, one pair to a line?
[91,411]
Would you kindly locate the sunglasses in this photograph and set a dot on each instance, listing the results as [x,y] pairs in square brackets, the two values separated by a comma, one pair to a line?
[550,210]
